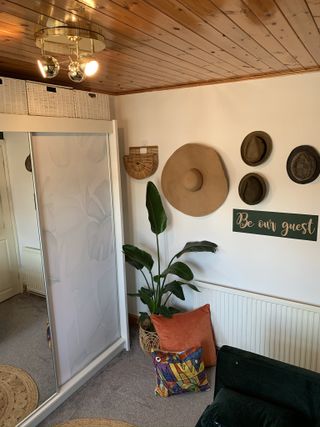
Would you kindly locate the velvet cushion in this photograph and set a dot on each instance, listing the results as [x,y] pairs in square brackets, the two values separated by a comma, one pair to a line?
[186,330]
[179,372]
[231,409]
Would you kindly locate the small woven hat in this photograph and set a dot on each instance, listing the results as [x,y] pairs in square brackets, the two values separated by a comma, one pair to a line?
[193,180]
[303,164]
[252,188]
[256,148]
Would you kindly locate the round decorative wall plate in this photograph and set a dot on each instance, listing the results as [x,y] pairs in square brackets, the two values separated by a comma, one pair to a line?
[141,162]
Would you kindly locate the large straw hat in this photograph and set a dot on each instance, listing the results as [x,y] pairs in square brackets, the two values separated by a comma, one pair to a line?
[193,180]
[303,164]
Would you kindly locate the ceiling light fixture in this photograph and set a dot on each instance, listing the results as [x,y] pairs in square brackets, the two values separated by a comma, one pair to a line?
[79,44]
[48,66]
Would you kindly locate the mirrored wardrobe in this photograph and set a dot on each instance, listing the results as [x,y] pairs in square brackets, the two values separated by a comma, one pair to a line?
[63,312]
[25,339]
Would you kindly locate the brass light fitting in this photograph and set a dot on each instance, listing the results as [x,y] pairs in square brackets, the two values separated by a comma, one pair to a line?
[79,44]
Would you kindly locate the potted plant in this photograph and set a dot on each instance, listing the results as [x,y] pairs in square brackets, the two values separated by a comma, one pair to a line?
[156,290]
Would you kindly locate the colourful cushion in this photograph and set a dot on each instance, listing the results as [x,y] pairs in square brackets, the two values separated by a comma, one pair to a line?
[179,372]
[186,330]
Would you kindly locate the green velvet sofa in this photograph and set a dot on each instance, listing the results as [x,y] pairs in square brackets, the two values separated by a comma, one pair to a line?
[256,391]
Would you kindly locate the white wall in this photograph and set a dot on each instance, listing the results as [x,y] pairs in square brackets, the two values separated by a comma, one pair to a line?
[221,116]
[17,148]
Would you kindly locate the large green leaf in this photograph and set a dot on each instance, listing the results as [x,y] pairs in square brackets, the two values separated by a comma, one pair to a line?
[157,215]
[167,311]
[137,257]
[180,269]
[176,288]
[191,286]
[203,246]
[146,297]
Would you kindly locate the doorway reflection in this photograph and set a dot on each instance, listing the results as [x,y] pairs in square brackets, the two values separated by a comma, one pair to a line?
[24,326]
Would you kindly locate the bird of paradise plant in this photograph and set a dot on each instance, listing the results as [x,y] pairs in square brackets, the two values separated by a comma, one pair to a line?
[156,292]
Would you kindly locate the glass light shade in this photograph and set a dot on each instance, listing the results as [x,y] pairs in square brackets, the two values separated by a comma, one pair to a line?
[76,74]
[48,66]
[91,67]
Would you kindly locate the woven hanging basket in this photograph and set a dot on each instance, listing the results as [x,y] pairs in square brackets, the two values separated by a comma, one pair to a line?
[148,340]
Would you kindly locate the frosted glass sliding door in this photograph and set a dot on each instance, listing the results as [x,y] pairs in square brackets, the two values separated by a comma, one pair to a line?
[76,216]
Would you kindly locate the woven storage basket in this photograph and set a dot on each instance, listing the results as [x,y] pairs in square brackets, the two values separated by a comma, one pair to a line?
[50,100]
[13,96]
[148,340]
[90,105]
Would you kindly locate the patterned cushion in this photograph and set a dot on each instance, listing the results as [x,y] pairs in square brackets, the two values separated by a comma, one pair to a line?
[179,372]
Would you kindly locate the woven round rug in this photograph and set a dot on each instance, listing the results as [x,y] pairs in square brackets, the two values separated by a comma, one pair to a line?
[94,422]
[18,395]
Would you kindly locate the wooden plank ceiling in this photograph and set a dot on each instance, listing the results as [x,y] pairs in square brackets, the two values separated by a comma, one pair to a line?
[152,44]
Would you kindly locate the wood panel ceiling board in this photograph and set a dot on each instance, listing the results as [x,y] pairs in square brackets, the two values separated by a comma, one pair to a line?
[301,20]
[206,19]
[249,23]
[197,48]
[178,58]
[314,6]
[157,44]
[271,16]
[158,37]
[59,13]
[205,38]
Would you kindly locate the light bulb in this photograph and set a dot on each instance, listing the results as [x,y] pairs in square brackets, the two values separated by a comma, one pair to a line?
[76,74]
[91,67]
[48,66]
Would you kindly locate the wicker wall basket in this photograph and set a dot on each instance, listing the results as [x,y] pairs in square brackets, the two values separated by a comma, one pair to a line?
[148,340]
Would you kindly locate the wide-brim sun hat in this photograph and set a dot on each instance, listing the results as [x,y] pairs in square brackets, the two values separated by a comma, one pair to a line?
[252,189]
[303,164]
[194,180]
[256,148]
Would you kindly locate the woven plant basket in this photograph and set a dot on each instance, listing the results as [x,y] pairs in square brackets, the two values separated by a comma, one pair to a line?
[148,340]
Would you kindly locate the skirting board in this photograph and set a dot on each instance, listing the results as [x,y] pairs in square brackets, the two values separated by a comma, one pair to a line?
[67,389]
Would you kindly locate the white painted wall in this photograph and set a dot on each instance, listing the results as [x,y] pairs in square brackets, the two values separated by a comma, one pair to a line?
[17,148]
[221,116]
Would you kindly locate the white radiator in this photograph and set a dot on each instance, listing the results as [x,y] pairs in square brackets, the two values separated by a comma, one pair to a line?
[277,328]
[31,270]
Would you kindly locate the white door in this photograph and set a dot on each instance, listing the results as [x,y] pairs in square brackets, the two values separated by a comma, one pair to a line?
[9,278]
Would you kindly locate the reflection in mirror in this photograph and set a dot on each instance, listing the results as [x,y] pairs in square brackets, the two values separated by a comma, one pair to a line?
[25,343]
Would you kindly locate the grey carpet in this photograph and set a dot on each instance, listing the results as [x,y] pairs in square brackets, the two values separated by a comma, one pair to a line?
[124,390]
[23,340]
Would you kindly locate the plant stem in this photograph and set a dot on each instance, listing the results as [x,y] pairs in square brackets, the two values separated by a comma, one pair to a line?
[145,279]
[159,269]
[167,298]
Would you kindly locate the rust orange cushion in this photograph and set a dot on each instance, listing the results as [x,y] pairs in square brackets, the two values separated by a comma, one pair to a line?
[186,330]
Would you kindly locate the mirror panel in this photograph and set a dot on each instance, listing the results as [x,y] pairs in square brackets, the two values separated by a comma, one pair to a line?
[24,322]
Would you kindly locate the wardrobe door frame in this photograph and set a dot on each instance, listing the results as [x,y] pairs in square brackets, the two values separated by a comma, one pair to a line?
[31,124]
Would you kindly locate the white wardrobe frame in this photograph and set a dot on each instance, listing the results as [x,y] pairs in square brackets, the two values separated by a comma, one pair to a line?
[30,124]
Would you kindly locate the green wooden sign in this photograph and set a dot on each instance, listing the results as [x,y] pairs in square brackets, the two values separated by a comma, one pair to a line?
[279,224]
